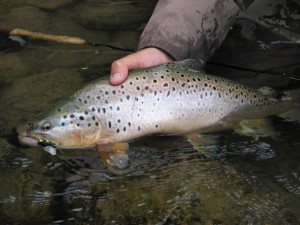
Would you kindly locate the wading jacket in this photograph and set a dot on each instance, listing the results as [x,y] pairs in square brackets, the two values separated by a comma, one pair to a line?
[190,28]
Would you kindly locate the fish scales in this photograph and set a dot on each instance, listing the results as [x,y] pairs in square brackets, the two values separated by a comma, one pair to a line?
[166,99]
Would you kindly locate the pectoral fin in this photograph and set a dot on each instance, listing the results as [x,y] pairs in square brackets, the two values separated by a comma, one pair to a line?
[255,128]
[114,156]
[202,143]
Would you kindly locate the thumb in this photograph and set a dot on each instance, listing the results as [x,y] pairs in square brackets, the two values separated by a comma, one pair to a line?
[120,68]
[144,58]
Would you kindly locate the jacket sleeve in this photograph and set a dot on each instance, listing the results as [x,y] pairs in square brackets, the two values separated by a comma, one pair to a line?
[190,29]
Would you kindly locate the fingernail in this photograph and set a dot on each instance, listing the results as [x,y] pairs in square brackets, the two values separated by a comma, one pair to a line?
[116,76]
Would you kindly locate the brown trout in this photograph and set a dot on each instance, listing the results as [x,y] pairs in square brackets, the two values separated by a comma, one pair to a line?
[166,99]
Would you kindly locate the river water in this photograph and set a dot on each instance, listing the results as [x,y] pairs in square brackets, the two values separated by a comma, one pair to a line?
[235,179]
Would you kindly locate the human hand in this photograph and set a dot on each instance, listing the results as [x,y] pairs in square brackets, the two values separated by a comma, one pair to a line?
[144,58]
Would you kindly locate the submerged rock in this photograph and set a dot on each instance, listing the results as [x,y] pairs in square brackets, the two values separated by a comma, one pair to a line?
[125,17]
[44,4]
[27,17]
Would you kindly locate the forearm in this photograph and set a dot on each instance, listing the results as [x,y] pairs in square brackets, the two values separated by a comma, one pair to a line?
[189,29]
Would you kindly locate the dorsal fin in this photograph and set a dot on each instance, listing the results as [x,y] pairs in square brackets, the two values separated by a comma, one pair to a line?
[187,64]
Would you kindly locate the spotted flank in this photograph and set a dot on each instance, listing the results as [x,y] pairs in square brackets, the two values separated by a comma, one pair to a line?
[173,98]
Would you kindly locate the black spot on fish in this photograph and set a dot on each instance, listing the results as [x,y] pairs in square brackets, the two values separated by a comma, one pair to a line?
[65,116]
[122,86]
[62,123]
[93,109]
[109,124]
[85,101]
[183,84]
[79,99]
[136,98]
[97,124]
[205,84]
[58,110]
[78,124]
[114,92]
[98,97]
[129,124]
[94,118]
[137,78]
[168,93]
[124,128]
[162,77]
[146,88]
[88,97]
[104,110]
[138,88]
[106,101]
[139,128]
[154,81]
[144,78]
[214,87]
[156,126]
[72,116]
[81,117]
[118,108]
[155,93]
[118,130]
[130,83]
[219,95]
[119,121]
[106,92]
[128,97]
[166,85]
[89,124]
[173,88]
[173,79]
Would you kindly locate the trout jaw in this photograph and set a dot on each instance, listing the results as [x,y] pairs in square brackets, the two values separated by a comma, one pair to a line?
[28,140]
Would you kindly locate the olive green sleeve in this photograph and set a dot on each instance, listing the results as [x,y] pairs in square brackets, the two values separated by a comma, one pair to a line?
[190,29]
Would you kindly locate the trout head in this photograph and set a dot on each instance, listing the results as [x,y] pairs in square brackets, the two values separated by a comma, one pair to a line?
[65,126]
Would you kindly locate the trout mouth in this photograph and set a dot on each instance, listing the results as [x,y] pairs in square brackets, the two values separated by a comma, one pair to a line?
[25,138]
[28,140]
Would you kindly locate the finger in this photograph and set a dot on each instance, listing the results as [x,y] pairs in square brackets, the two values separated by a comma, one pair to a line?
[120,68]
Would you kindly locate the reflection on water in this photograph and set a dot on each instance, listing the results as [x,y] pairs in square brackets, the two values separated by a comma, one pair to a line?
[229,179]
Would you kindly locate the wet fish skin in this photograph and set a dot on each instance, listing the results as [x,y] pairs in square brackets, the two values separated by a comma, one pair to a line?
[167,99]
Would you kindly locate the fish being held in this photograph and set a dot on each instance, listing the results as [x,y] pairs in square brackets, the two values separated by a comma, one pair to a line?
[166,99]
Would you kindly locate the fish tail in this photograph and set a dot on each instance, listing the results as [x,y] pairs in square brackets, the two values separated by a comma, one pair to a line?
[293,96]
[294,113]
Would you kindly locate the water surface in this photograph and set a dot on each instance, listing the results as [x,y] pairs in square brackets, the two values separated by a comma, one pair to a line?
[234,179]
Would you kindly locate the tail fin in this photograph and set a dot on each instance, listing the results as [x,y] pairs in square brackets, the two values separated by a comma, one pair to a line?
[294,113]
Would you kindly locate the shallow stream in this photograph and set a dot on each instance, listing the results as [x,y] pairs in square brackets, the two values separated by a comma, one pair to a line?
[235,180]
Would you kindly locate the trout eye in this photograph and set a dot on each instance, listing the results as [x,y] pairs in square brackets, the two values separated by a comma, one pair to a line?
[46,126]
